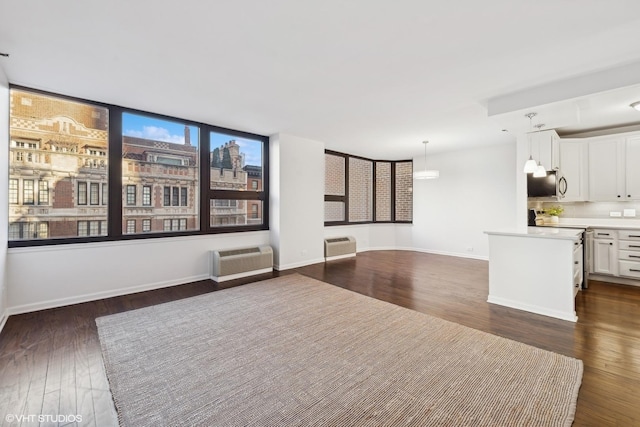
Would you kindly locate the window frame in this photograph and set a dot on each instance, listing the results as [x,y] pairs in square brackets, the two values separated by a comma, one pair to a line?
[345,198]
[112,189]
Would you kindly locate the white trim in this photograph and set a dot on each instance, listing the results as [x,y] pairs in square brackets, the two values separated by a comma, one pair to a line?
[240,275]
[571,317]
[28,308]
[614,279]
[446,253]
[298,264]
[331,258]
[3,320]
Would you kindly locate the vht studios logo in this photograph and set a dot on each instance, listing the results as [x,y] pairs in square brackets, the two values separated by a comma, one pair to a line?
[43,418]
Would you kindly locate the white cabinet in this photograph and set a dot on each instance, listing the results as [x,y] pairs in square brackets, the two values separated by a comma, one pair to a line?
[632,169]
[606,170]
[605,252]
[629,253]
[545,148]
[573,166]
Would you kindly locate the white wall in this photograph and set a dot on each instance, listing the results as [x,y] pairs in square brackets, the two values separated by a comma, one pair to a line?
[51,276]
[476,192]
[371,237]
[297,200]
[4,189]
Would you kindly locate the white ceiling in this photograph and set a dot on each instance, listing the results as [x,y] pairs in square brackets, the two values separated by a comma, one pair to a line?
[372,78]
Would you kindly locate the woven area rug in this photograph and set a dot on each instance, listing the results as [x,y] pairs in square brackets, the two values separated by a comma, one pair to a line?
[294,351]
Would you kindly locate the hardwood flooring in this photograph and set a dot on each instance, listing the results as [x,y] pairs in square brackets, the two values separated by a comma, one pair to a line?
[51,363]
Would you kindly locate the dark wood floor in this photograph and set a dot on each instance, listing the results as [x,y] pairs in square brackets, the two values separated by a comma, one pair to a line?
[50,361]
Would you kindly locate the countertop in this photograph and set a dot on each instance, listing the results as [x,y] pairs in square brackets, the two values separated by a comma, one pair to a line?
[540,232]
[608,223]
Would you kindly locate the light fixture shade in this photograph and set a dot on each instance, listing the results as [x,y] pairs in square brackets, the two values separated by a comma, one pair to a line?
[635,105]
[426,174]
[530,166]
[540,172]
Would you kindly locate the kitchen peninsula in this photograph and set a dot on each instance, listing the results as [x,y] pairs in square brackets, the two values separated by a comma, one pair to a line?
[536,269]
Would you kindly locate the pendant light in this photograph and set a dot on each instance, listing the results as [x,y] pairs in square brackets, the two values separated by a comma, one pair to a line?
[530,165]
[426,174]
[540,172]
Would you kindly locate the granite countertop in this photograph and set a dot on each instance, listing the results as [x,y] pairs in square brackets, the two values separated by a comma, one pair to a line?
[541,232]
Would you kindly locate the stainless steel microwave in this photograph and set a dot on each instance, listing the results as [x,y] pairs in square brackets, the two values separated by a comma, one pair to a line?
[551,187]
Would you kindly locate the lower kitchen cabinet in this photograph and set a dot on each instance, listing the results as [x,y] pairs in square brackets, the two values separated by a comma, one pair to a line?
[605,252]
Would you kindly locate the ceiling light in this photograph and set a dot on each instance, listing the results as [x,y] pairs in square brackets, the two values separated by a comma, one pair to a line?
[426,174]
[530,166]
[635,105]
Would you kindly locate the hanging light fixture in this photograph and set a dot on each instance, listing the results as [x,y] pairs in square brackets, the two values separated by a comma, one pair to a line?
[426,174]
[540,171]
[530,165]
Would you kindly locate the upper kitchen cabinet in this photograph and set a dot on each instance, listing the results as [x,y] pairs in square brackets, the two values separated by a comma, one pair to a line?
[545,148]
[607,169]
[573,166]
[632,159]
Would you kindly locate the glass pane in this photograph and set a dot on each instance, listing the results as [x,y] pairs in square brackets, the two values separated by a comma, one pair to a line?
[160,171]
[236,163]
[404,191]
[229,212]
[333,211]
[383,191]
[334,173]
[360,190]
[57,148]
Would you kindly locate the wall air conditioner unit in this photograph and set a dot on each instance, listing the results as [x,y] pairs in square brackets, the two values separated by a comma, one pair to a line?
[235,263]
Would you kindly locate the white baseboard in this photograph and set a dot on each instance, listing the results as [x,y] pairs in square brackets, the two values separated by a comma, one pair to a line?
[298,264]
[614,279]
[426,251]
[240,275]
[571,317]
[28,308]
[3,320]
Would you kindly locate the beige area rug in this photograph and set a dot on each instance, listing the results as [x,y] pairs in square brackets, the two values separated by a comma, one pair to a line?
[294,351]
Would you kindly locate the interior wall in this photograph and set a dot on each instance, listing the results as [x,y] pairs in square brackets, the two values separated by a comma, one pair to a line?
[4,190]
[51,276]
[476,192]
[297,199]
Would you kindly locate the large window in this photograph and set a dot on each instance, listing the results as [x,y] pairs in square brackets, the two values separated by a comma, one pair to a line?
[237,180]
[67,155]
[359,190]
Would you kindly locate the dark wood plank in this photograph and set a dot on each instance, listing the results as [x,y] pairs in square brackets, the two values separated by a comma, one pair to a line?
[52,359]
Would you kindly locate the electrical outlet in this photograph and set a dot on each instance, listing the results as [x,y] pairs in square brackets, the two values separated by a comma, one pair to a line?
[615,213]
[630,212]
[469,248]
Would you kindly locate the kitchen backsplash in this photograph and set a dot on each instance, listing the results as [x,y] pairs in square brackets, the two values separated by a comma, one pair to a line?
[590,209]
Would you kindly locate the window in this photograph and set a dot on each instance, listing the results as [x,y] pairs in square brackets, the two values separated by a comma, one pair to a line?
[183,196]
[131,195]
[43,193]
[13,191]
[48,135]
[236,171]
[27,192]
[82,193]
[359,190]
[164,153]
[62,149]
[94,193]
[131,226]
[146,195]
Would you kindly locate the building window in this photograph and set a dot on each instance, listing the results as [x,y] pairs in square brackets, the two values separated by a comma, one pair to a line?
[82,193]
[254,184]
[146,225]
[27,192]
[146,195]
[167,196]
[105,193]
[83,228]
[360,190]
[131,195]
[183,196]
[254,211]
[28,230]
[13,191]
[131,226]
[94,193]
[175,199]
[43,193]
[167,225]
